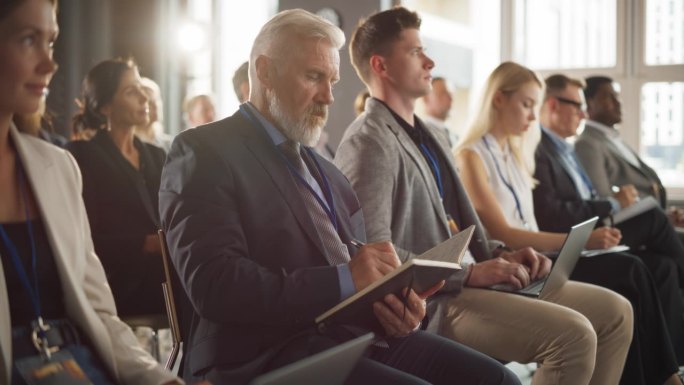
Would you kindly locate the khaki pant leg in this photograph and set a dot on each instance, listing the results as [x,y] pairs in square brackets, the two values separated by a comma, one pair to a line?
[612,318]
[511,327]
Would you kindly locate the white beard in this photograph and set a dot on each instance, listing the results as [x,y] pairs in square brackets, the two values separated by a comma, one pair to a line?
[305,129]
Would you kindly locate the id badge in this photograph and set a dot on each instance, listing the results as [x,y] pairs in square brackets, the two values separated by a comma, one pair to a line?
[60,369]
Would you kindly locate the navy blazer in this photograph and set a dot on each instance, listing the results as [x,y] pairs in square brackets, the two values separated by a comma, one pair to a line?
[557,204]
[122,210]
[243,243]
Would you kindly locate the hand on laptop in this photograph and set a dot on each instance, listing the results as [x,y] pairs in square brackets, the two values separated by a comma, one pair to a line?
[372,262]
[604,238]
[496,271]
[538,265]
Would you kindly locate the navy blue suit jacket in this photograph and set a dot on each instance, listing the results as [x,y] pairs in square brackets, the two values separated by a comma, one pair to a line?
[557,203]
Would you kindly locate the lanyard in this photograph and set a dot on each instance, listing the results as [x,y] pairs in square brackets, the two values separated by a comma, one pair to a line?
[329,208]
[508,185]
[434,166]
[32,290]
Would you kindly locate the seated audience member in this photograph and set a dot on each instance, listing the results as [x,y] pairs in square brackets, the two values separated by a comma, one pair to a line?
[241,82]
[153,131]
[607,159]
[437,106]
[199,110]
[495,165]
[121,177]
[402,170]
[45,234]
[259,227]
[565,196]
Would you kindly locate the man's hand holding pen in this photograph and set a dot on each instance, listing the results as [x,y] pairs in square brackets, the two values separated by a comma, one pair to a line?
[372,262]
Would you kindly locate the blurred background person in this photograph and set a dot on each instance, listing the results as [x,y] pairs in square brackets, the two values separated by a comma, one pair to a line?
[360,101]
[199,110]
[153,132]
[121,176]
[437,104]
[241,82]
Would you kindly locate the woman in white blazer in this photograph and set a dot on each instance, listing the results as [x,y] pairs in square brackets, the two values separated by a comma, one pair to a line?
[40,191]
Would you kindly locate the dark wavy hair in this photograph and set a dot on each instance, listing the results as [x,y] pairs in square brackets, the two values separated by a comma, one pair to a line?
[8,6]
[98,89]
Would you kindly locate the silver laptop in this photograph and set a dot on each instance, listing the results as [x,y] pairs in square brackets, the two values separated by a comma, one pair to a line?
[562,268]
[331,367]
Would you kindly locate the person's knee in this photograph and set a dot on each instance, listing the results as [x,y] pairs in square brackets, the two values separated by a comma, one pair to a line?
[577,343]
[622,315]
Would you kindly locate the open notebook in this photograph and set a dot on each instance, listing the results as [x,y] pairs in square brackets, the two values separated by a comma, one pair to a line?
[420,274]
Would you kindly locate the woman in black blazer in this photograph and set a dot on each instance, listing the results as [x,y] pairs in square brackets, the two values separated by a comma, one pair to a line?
[121,176]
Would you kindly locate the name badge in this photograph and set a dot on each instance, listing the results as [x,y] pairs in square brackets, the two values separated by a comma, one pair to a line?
[60,369]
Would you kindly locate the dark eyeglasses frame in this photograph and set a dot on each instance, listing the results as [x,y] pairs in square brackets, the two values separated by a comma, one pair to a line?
[578,105]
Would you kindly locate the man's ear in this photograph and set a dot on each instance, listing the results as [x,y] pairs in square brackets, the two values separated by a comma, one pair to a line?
[264,71]
[377,65]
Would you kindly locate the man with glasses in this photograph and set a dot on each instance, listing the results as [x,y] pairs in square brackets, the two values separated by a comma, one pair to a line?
[566,195]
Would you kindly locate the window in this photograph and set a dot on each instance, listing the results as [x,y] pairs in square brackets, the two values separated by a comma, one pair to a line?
[662,130]
[664,32]
[566,34]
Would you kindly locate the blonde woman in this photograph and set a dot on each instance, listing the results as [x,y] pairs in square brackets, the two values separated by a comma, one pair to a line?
[496,164]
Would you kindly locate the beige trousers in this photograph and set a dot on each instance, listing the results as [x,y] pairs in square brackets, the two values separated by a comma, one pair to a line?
[579,334]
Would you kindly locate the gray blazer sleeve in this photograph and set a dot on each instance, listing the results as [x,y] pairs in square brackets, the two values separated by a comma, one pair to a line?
[369,166]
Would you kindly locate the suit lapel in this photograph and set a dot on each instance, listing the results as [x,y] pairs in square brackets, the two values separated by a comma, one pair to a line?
[268,155]
[386,117]
[58,213]
[554,156]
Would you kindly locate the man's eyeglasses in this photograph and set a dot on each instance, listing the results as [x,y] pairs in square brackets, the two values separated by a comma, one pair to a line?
[578,105]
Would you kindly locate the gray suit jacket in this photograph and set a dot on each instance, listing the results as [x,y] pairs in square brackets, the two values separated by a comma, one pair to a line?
[606,166]
[398,194]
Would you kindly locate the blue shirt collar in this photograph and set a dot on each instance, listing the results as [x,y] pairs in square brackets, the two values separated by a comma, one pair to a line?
[276,136]
[560,143]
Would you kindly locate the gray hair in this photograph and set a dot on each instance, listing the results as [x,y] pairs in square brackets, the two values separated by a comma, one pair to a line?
[272,40]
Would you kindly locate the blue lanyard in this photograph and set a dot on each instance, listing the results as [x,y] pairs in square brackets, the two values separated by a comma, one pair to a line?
[434,166]
[327,192]
[32,290]
[505,182]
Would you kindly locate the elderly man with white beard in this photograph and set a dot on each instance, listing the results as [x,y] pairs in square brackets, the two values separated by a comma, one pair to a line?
[261,229]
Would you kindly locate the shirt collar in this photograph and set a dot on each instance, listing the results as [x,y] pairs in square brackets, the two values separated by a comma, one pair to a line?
[415,131]
[274,133]
[608,131]
[560,143]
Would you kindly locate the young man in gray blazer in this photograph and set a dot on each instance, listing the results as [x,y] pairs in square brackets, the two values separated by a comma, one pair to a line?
[403,174]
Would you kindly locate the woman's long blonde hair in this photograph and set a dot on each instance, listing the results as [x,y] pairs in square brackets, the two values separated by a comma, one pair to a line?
[508,78]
